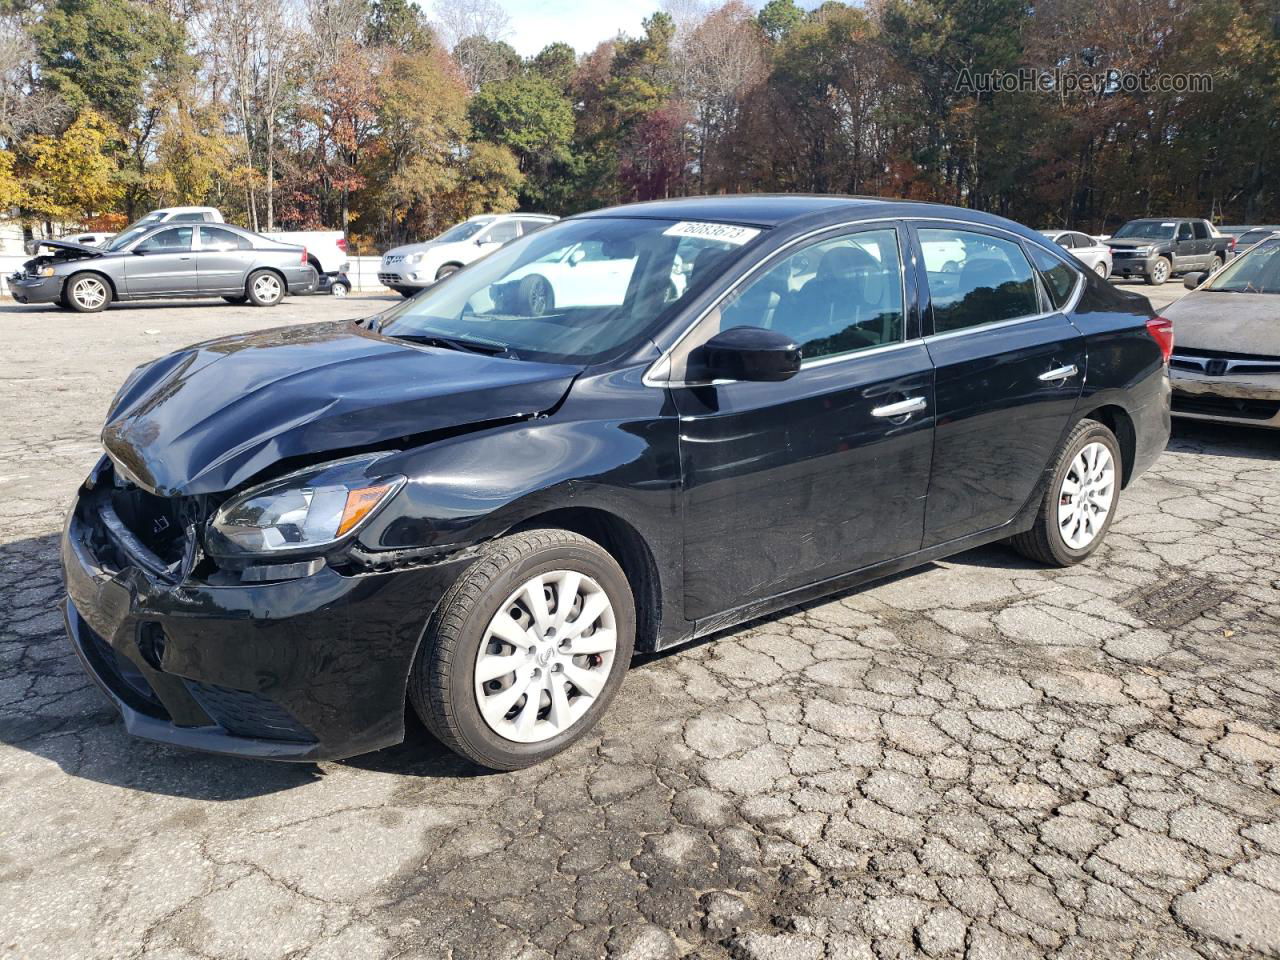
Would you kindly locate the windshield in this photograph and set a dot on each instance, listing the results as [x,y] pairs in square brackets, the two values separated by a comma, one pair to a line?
[1257,271]
[1146,230]
[462,231]
[1253,236]
[578,291]
[134,230]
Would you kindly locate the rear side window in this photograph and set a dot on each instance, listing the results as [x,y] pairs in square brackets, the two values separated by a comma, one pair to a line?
[1201,228]
[1065,240]
[1082,241]
[975,279]
[215,238]
[1059,279]
[502,232]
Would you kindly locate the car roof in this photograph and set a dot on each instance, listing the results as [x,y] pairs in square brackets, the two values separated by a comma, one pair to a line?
[776,210]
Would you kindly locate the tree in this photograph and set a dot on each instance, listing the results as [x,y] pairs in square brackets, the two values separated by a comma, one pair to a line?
[486,61]
[71,176]
[528,114]
[556,62]
[777,18]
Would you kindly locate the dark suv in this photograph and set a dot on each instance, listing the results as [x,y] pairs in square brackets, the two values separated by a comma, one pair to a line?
[629,429]
[1156,248]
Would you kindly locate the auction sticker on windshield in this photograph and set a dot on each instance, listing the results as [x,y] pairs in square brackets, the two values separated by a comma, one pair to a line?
[723,232]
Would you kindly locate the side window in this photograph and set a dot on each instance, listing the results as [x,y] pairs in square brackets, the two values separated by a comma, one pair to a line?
[168,241]
[976,279]
[188,218]
[833,297]
[502,232]
[1082,242]
[1184,231]
[214,238]
[1059,279]
[1201,228]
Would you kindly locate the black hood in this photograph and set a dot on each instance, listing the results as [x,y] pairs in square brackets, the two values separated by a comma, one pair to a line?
[1230,322]
[208,418]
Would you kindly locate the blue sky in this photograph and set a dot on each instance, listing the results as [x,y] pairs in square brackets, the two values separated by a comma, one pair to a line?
[580,23]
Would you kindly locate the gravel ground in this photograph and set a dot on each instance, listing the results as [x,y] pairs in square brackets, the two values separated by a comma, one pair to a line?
[981,758]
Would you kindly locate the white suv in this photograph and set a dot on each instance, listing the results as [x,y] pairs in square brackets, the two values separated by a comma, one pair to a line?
[409,268]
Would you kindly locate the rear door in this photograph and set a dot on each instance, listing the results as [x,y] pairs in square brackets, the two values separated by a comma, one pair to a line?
[222,260]
[1009,371]
[162,263]
[794,482]
[1204,243]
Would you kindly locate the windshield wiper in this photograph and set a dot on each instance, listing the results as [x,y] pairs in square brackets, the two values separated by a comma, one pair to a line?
[488,348]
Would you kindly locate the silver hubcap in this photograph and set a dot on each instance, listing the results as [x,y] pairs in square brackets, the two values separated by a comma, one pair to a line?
[1087,495]
[1101,269]
[89,292]
[1161,271]
[545,657]
[267,288]
[339,290]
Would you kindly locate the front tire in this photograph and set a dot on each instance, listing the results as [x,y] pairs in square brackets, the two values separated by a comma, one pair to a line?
[1100,268]
[448,270]
[526,650]
[87,292]
[1160,271]
[264,288]
[1081,499]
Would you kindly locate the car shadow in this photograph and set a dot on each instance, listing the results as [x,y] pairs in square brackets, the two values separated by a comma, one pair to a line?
[1224,440]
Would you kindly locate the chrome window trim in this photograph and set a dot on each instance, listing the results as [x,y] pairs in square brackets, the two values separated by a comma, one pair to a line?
[653,370]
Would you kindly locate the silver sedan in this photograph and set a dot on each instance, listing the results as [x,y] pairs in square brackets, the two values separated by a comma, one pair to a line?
[167,260]
[1093,253]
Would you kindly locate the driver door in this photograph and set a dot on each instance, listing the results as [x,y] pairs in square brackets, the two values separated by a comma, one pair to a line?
[162,263]
[1184,248]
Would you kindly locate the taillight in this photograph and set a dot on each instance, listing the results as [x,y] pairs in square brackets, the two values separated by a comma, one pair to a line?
[1161,331]
[304,255]
[1233,244]
[342,244]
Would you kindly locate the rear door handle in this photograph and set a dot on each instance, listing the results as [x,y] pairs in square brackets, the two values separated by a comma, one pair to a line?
[1060,373]
[903,408]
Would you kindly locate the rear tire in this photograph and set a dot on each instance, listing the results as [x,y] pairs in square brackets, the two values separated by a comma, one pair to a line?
[87,292]
[1160,271]
[485,606]
[264,288]
[536,296]
[1100,268]
[339,288]
[1047,541]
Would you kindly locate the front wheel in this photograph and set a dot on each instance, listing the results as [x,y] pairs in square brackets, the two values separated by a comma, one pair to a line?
[264,288]
[1160,271]
[1100,268]
[1081,499]
[87,293]
[526,650]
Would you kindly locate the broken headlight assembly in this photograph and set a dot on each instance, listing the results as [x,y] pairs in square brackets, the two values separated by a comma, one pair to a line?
[305,513]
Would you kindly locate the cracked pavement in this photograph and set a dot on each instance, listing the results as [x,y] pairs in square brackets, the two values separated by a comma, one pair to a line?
[981,758]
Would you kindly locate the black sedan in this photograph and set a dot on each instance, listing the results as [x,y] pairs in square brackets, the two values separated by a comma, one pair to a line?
[630,429]
[1227,365]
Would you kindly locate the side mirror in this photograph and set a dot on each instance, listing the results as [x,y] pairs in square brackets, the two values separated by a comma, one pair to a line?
[1192,280]
[751,354]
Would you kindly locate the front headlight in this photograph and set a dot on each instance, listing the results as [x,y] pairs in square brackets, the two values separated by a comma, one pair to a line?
[414,258]
[44,272]
[304,512]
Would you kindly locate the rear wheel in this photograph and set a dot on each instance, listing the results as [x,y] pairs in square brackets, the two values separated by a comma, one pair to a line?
[1100,268]
[87,292]
[339,288]
[264,288]
[1159,272]
[536,295]
[1081,499]
[525,652]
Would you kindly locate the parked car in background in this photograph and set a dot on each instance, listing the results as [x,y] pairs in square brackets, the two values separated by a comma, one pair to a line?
[412,267]
[483,505]
[1254,235]
[166,260]
[1226,366]
[1094,254]
[1156,248]
[87,239]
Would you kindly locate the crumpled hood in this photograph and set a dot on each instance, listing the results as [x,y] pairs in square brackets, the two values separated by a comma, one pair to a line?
[1230,322]
[210,417]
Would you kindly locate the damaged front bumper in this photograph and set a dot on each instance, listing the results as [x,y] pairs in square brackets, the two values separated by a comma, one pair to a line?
[27,289]
[303,669]
[1247,399]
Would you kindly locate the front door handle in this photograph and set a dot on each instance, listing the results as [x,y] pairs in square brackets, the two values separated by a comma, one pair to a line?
[903,408]
[1060,373]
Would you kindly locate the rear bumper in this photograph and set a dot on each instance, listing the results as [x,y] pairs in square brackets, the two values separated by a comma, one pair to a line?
[307,669]
[1250,401]
[36,289]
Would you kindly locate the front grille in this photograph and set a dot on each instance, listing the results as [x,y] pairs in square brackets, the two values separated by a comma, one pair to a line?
[1220,362]
[245,714]
[1215,406]
[389,278]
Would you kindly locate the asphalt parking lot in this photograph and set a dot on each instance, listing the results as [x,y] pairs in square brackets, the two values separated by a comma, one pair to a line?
[982,758]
